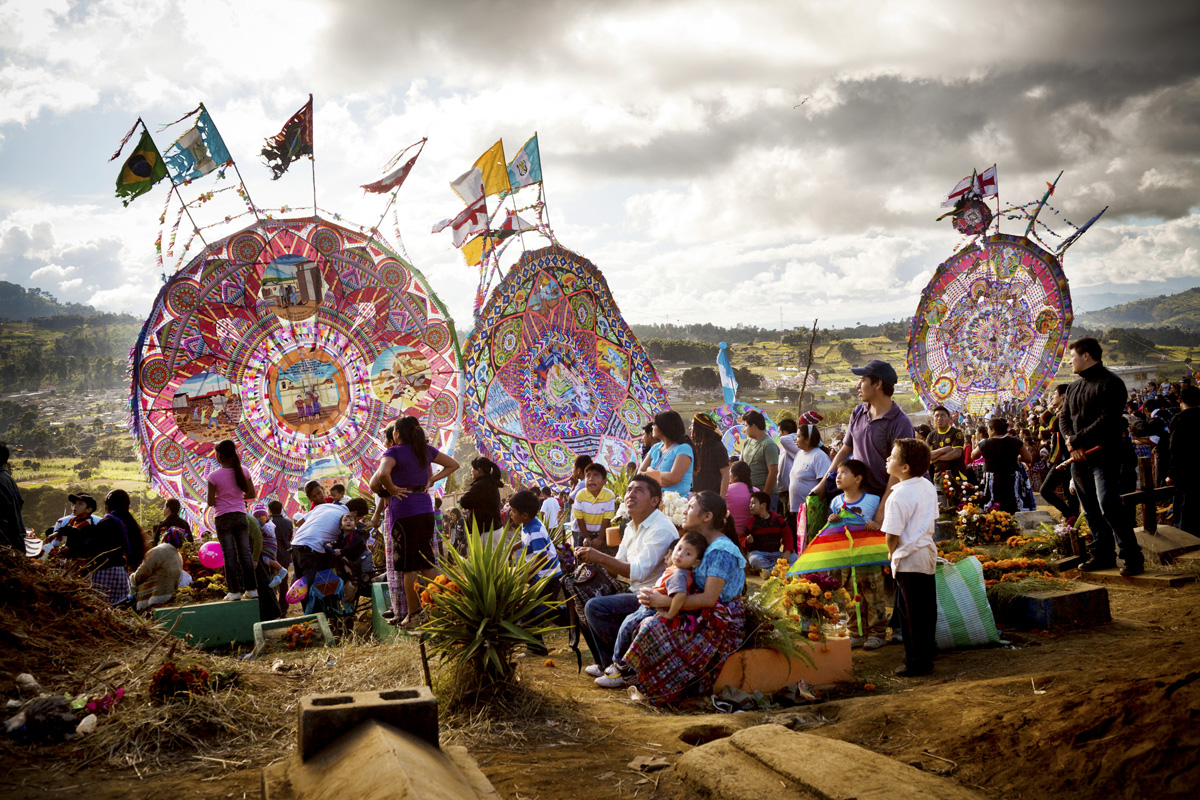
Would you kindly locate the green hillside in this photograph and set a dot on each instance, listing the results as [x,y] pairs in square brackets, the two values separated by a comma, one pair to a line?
[1170,310]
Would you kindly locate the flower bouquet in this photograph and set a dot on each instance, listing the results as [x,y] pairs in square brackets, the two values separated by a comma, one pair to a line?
[978,526]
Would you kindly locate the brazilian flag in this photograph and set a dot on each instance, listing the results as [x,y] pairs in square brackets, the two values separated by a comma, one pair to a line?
[141,170]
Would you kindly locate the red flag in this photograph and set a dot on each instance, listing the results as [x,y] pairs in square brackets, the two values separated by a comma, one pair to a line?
[471,221]
[295,140]
[395,178]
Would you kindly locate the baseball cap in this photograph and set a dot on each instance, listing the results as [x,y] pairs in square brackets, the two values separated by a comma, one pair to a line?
[87,499]
[877,369]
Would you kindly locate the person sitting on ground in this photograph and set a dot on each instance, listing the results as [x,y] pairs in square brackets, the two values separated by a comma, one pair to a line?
[83,514]
[594,507]
[173,519]
[768,535]
[908,521]
[640,558]
[111,548]
[737,498]
[157,578]
[867,582]
[676,583]
[670,659]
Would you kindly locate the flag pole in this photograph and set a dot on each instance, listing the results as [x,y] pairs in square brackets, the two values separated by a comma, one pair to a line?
[396,191]
[312,159]
[236,171]
[1042,202]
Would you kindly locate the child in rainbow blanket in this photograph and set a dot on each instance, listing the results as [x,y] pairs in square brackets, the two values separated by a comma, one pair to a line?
[871,630]
[676,583]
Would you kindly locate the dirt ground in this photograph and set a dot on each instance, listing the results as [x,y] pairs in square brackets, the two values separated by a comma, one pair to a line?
[1105,712]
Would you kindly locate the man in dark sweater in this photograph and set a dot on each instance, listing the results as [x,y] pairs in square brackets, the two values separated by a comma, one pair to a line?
[1092,420]
[1185,471]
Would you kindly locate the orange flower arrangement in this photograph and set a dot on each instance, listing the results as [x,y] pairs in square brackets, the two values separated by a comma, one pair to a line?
[439,584]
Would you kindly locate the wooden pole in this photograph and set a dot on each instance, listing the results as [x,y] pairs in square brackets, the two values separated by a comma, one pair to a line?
[807,368]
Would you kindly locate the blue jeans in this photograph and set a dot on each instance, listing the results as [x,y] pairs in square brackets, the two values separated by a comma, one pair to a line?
[760,559]
[1098,487]
[628,630]
[604,618]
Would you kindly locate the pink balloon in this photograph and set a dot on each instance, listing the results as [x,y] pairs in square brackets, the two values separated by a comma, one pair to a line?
[211,555]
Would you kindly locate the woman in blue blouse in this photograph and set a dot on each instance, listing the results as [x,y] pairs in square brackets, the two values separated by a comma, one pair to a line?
[685,655]
[669,460]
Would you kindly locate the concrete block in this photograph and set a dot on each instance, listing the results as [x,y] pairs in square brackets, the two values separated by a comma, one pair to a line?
[263,631]
[1030,521]
[1150,579]
[1166,544]
[374,761]
[1087,605]
[768,671]
[801,765]
[212,624]
[324,718]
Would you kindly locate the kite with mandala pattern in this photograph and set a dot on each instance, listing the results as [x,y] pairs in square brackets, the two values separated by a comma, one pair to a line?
[991,326]
[300,340]
[553,371]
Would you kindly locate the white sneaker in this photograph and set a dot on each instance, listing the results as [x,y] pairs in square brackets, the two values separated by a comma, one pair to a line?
[278,579]
[612,671]
[251,595]
[594,670]
[873,643]
[234,596]
[605,682]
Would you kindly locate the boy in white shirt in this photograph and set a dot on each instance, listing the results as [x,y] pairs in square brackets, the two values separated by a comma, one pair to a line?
[908,521]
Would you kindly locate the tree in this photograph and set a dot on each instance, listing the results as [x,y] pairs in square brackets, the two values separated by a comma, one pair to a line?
[747,379]
[700,378]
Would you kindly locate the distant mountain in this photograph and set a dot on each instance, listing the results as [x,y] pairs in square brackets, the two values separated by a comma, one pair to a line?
[20,304]
[1170,310]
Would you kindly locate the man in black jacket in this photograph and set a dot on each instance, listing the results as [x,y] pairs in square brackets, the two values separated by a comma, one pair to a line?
[1092,419]
[1185,475]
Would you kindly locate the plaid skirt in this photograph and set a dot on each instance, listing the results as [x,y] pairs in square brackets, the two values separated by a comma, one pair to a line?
[673,662]
[112,583]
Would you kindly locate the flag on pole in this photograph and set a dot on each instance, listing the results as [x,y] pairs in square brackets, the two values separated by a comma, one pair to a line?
[967,184]
[471,221]
[469,185]
[476,250]
[526,167]
[494,170]
[729,384]
[512,224]
[198,152]
[988,185]
[293,141]
[395,178]
[141,170]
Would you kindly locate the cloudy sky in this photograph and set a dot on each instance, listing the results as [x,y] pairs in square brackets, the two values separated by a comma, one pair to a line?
[721,162]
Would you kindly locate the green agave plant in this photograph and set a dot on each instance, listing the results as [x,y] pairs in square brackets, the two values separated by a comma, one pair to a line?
[498,606]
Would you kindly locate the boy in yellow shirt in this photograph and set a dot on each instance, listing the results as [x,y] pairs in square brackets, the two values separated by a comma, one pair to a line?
[594,507]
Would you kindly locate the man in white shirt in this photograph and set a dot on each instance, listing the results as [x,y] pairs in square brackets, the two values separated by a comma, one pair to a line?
[909,521]
[550,508]
[640,558]
[320,527]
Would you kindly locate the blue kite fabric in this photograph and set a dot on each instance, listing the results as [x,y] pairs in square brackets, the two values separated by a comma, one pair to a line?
[729,384]
[198,152]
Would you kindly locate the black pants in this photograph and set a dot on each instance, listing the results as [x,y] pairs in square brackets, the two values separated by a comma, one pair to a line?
[1099,482]
[308,563]
[1054,479]
[916,605]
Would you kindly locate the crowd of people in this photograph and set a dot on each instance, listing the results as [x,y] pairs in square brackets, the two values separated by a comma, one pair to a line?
[677,612]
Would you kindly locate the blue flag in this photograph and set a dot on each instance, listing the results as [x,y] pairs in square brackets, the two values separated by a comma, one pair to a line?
[728,381]
[196,153]
[526,167]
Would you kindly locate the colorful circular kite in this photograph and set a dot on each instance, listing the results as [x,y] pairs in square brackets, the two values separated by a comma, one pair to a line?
[554,372]
[991,326]
[299,340]
[729,425]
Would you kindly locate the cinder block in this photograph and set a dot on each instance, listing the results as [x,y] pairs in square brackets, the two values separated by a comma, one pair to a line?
[1087,605]
[324,718]
[212,624]
[261,629]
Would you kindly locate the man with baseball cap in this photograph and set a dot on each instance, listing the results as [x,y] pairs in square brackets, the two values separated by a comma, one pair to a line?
[83,508]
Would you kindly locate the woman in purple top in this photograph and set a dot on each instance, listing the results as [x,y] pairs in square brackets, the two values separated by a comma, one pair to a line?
[404,473]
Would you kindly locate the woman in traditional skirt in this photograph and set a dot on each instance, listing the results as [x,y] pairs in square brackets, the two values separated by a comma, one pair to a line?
[683,656]
[111,548]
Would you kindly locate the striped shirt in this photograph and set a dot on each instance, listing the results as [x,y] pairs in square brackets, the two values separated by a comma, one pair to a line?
[592,510]
[535,540]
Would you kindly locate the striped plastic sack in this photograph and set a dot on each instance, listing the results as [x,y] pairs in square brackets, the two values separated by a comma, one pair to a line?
[964,618]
